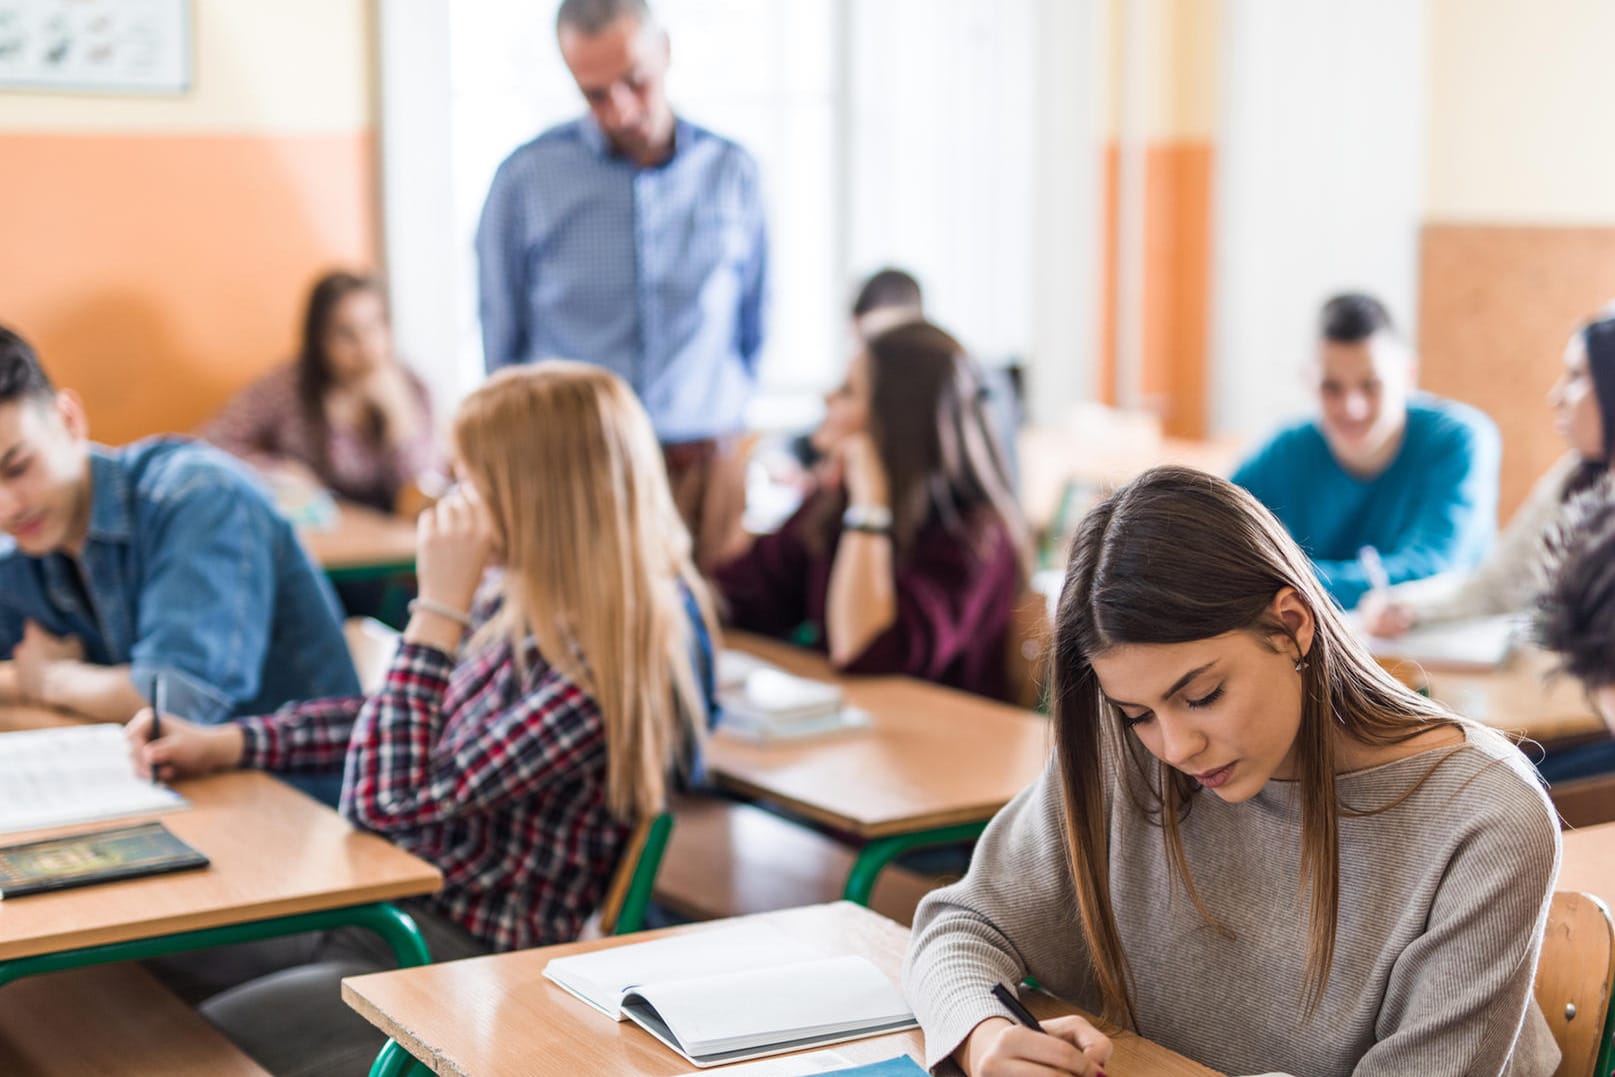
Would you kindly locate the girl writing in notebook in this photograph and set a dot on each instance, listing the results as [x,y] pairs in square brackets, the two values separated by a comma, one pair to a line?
[528,719]
[1252,844]
[909,556]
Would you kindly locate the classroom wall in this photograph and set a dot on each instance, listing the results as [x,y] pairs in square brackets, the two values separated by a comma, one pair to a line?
[1318,188]
[158,249]
[1518,243]
[1154,304]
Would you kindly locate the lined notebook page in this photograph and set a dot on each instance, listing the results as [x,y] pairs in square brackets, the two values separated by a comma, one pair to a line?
[78,774]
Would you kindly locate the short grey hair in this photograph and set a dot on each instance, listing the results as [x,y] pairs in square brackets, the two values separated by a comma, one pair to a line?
[590,17]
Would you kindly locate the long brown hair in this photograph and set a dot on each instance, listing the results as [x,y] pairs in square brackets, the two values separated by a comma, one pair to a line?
[941,453]
[315,376]
[1179,555]
[597,561]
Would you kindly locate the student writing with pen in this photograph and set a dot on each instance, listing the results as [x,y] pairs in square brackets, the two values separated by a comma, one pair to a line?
[555,673]
[162,556]
[1252,845]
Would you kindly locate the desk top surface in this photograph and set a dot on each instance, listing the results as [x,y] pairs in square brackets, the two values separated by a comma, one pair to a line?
[931,757]
[274,852]
[1521,697]
[361,538]
[497,1014]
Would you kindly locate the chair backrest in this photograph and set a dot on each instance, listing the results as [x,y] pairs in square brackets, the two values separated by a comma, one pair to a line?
[1026,661]
[1573,980]
[372,646]
[623,911]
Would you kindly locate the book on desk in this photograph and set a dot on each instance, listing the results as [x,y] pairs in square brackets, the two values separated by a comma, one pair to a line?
[130,852]
[762,703]
[734,993]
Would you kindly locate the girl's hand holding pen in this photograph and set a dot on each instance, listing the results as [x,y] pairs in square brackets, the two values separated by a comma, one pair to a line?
[1065,1045]
[182,749]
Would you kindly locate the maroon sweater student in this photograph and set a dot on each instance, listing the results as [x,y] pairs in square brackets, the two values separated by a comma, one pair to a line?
[955,595]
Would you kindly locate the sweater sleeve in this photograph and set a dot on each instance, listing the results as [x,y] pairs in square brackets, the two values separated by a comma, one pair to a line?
[1014,914]
[1459,998]
[1457,513]
[1510,577]
[944,590]
[765,588]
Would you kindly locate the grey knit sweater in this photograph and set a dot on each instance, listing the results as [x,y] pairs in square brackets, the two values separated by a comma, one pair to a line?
[1443,901]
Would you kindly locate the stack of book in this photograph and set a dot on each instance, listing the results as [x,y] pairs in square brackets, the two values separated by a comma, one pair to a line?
[762,704]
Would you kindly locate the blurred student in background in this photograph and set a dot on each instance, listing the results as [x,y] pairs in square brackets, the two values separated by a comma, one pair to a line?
[910,553]
[1583,401]
[346,415]
[1412,476]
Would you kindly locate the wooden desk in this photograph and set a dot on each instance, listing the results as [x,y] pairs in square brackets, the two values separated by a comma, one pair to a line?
[1522,698]
[498,1015]
[363,543]
[281,863]
[16,717]
[1589,861]
[933,761]
[275,852]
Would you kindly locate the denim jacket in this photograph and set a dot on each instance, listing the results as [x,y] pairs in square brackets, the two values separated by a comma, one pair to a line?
[187,571]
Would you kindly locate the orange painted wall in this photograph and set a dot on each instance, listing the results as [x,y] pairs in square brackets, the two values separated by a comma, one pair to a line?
[157,273]
[1177,282]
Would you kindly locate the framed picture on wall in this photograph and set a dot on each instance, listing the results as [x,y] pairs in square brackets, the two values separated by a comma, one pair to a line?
[96,46]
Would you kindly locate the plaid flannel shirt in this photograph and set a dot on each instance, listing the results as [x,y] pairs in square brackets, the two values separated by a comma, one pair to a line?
[498,780]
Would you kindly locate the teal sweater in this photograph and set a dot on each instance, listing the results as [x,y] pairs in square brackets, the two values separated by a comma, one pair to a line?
[1433,509]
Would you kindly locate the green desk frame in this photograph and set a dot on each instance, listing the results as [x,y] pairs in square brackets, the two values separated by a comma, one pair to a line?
[396,928]
[879,852]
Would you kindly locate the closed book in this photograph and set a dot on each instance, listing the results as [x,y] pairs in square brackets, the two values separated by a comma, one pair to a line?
[737,992]
[100,856]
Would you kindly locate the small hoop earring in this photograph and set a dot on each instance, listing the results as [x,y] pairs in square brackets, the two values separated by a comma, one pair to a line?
[1300,664]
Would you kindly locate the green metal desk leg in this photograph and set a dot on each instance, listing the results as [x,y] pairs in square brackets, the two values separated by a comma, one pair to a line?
[394,1061]
[1606,1047]
[395,926]
[874,856]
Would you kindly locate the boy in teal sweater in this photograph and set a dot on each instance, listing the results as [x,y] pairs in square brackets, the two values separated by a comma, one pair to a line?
[1411,475]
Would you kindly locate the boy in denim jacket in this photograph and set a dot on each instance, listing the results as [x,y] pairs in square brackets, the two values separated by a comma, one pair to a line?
[158,558]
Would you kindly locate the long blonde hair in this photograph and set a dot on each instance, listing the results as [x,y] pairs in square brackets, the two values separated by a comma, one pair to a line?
[597,560]
[1178,555]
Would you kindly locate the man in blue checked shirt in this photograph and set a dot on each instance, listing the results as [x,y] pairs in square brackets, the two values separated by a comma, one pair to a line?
[634,239]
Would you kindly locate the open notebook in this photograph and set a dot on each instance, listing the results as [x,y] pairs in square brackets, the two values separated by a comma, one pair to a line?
[1473,644]
[77,774]
[735,992]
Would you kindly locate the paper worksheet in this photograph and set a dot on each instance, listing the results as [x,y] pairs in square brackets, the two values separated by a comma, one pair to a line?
[77,774]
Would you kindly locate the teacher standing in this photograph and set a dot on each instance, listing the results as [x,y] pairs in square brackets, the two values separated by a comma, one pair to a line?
[635,240]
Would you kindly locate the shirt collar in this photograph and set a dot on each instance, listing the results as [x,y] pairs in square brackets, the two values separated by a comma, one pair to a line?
[110,512]
[595,139]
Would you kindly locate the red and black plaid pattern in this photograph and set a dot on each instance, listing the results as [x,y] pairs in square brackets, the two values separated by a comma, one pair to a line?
[496,778]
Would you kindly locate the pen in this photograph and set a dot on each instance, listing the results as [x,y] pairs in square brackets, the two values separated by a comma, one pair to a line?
[1374,569]
[1022,1014]
[1013,1005]
[158,701]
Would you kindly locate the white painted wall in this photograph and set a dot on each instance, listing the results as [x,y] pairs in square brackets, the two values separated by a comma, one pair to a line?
[1319,187]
